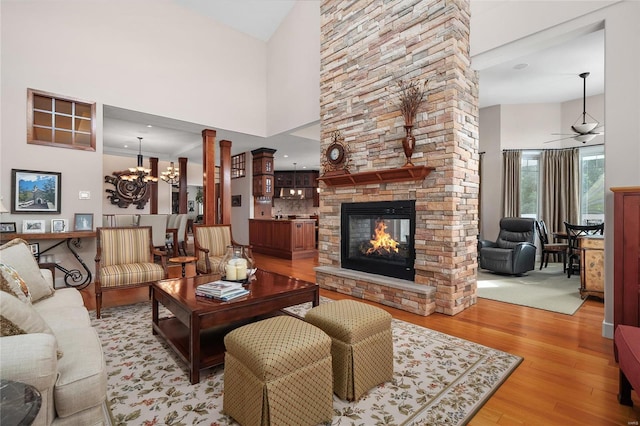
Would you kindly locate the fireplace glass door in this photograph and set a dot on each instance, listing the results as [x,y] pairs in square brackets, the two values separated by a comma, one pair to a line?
[378,238]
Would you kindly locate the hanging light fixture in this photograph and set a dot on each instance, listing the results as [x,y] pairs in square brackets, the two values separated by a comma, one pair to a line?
[171,175]
[139,174]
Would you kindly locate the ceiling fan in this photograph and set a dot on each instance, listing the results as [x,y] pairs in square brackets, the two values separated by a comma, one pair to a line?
[584,131]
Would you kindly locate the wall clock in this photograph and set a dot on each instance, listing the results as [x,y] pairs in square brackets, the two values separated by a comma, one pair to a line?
[336,156]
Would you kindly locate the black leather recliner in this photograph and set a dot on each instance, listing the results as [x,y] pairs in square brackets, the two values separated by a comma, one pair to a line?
[513,253]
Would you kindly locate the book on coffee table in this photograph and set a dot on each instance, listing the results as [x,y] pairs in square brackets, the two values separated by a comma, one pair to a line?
[219,288]
[229,295]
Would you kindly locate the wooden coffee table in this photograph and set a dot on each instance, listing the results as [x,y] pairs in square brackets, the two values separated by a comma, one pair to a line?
[197,330]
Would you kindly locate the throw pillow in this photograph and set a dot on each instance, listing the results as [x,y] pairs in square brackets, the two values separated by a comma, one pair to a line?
[12,283]
[17,254]
[17,317]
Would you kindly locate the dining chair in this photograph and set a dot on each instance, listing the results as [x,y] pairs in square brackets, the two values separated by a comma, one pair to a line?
[548,248]
[574,232]
[158,224]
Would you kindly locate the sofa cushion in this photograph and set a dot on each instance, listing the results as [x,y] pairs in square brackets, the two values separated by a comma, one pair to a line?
[12,283]
[63,298]
[17,317]
[17,254]
[82,373]
[132,273]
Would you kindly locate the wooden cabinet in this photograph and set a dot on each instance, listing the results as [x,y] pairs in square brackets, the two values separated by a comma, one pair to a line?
[263,179]
[306,181]
[288,239]
[591,265]
[626,253]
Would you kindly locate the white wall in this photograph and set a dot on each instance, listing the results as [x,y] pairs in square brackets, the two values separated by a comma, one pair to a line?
[293,70]
[540,20]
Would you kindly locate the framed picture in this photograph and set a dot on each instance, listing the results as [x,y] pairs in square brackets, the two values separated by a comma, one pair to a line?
[35,249]
[35,192]
[236,200]
[33,226]
[83,222]
[6,227]
[59,225]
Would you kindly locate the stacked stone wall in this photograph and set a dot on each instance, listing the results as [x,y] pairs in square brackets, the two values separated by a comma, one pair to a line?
[366,48]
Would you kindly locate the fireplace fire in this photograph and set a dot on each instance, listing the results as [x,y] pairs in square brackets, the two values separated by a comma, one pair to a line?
[378,237]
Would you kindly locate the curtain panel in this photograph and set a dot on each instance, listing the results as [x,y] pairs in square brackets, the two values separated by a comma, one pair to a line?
[511,164]
[560,187]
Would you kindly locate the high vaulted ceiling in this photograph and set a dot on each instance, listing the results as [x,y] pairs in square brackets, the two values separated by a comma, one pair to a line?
[542,74]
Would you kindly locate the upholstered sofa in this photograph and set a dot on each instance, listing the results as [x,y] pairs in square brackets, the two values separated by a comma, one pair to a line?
[48,342]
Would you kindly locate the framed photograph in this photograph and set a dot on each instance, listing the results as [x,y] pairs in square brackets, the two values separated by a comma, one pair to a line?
[59,225]
[35,192]
[236,200]
[35,249]
[33,226]
[83,222]
[6,227]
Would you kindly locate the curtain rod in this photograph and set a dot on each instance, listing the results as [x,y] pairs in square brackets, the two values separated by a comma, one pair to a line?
[553,149]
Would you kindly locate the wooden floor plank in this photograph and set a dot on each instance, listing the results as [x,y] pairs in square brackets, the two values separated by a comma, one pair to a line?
[568,376]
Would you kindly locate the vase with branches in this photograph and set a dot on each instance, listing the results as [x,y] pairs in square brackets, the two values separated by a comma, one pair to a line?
[411,96]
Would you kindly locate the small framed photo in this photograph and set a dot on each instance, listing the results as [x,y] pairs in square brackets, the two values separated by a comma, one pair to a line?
[35,192]
[236,200]
[6,227]
[59,225]
[83,222]
[33,226]
[35,249]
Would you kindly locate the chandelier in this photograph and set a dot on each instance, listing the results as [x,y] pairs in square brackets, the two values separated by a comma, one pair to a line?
[171,175]
[139,174]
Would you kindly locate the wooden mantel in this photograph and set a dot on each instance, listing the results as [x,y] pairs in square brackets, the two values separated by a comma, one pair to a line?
[401,174]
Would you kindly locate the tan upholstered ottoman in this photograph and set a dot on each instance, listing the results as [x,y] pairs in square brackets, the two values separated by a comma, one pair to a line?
[362,345]
[278,372]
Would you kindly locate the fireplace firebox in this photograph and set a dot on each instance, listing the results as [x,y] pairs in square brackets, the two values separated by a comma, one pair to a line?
[378,237]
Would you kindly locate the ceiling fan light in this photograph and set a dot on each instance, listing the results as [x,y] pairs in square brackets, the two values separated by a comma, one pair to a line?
[585,127]
[585,138]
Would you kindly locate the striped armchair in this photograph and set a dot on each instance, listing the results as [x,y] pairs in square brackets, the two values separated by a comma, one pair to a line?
[210,244]
[125,259]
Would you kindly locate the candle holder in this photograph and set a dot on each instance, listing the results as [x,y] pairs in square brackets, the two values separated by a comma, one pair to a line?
[237,264]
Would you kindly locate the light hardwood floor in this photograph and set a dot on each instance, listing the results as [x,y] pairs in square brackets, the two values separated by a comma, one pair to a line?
[568,376]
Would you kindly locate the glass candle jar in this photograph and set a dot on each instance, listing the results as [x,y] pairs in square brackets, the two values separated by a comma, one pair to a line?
[236,263]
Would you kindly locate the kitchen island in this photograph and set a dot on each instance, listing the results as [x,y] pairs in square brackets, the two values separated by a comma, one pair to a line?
[284,238]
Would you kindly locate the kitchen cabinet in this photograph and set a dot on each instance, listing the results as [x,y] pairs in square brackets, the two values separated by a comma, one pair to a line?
[263,172]
[284,238]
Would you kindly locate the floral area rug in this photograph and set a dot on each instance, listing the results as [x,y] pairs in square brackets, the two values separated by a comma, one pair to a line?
[438,379]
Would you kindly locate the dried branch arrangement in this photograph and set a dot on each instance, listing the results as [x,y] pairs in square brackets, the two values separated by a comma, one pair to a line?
[411,96]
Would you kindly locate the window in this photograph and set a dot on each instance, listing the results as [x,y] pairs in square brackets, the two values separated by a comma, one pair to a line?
[592,185]
[529,184]
[60,121]
[238,166]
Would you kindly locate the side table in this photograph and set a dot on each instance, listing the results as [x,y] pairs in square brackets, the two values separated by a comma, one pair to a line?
[19,403]
[183,260]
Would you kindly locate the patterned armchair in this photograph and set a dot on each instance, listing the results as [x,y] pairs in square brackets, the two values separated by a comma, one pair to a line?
[210,244]
[124,259]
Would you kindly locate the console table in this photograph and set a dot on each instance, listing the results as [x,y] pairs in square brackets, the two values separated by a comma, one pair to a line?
[72,277]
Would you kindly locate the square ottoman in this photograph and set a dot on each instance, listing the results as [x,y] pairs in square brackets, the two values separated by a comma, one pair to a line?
[362,345]
[278,372]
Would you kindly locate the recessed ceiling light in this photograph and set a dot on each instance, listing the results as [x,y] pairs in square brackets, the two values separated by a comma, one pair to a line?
[285,156]
[149,125]
[520,66]
[126,146]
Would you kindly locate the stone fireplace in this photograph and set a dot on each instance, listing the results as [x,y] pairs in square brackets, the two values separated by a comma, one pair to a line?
[366,47]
